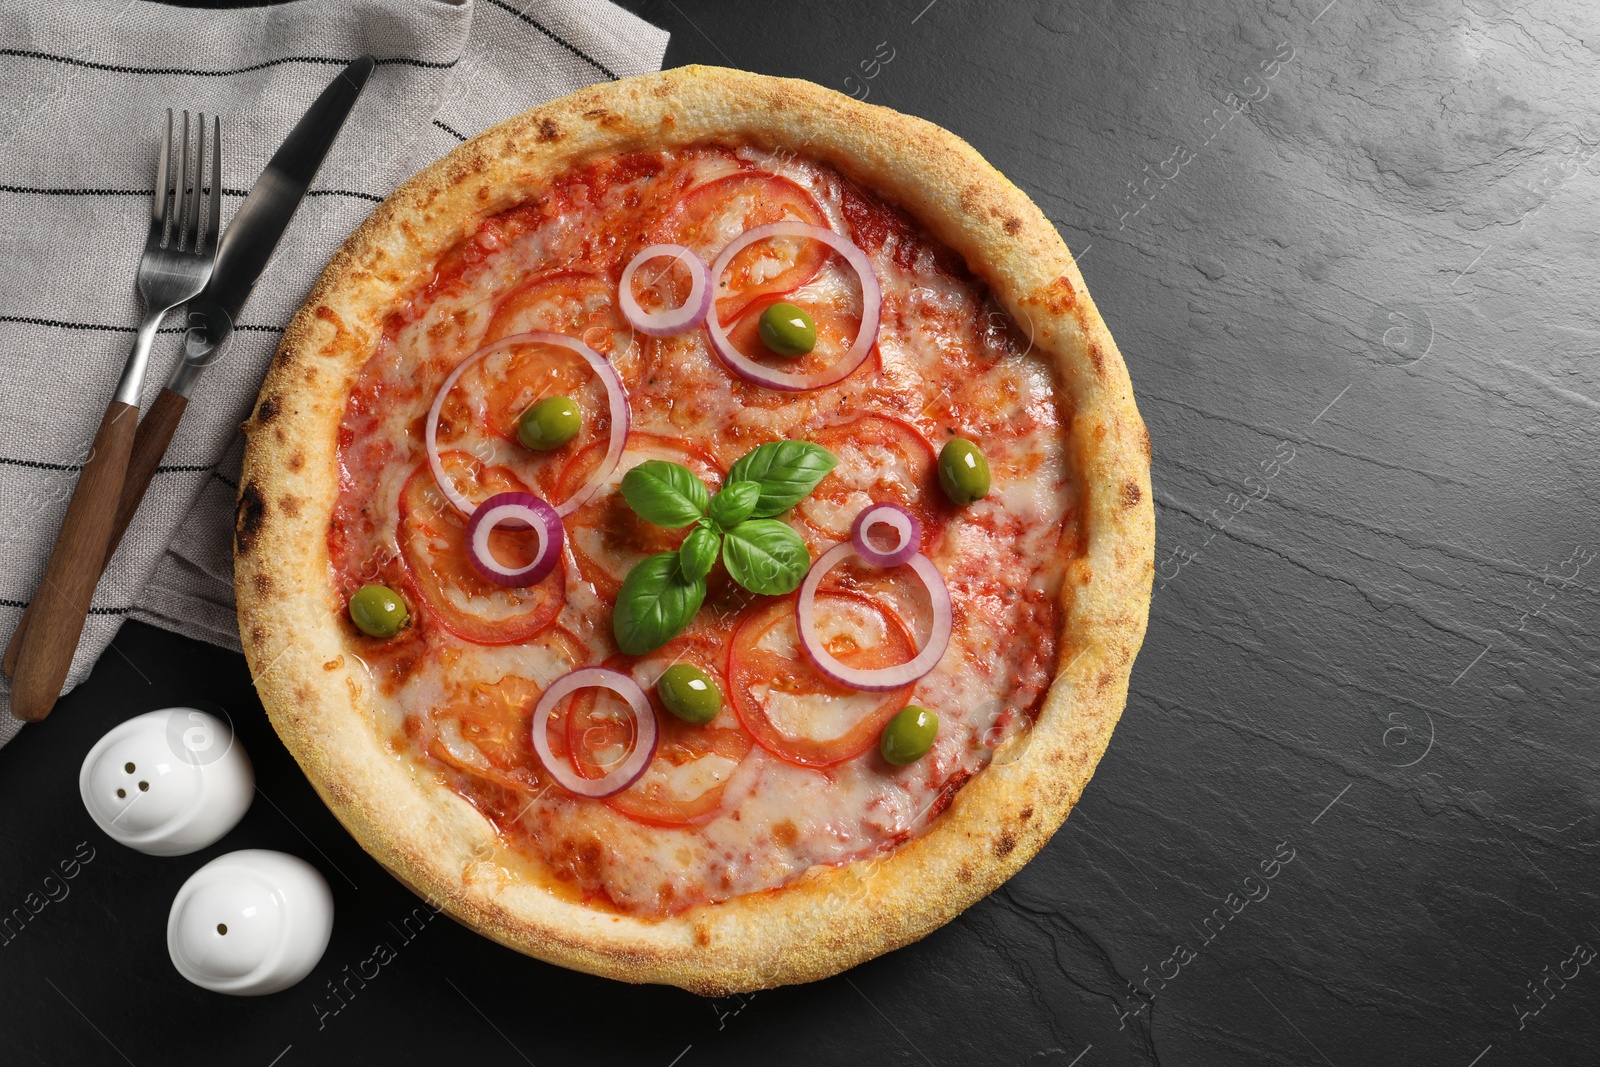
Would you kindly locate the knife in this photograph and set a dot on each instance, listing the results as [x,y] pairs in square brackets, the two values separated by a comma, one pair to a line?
[246,247]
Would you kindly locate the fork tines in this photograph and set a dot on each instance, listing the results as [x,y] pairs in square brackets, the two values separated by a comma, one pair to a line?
[175,211]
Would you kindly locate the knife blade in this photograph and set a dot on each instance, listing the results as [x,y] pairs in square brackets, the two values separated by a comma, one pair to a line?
[261,220]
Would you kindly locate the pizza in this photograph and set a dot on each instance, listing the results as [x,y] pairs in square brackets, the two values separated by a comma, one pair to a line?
[699,531]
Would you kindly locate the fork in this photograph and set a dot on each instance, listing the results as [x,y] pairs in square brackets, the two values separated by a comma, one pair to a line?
[177,260]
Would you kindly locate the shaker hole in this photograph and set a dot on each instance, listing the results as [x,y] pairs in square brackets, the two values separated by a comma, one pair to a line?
[121,794]
[222,928]
[144,787]
[128,767]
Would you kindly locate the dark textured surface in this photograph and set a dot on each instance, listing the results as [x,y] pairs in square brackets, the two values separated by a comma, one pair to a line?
[1358,314]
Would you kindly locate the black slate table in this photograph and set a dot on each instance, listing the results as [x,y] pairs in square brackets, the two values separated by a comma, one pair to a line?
[1350,815]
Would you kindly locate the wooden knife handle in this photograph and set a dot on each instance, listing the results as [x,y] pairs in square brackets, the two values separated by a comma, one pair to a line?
[149,446]
[43,650]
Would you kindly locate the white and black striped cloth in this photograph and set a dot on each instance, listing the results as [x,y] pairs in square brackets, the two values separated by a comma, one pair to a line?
[83,92]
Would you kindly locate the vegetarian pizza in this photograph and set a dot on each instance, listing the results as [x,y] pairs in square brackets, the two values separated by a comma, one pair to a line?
[699,531]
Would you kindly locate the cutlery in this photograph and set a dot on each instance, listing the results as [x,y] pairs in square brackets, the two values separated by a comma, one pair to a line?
[252,237]
[174,267]
[241,257]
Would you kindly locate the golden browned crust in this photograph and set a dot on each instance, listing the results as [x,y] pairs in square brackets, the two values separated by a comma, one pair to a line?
[831,918]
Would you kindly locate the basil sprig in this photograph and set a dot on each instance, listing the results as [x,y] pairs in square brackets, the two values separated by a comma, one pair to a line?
[660,595]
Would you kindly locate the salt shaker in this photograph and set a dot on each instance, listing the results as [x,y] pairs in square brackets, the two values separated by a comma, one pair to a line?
[167,782]
[250,922]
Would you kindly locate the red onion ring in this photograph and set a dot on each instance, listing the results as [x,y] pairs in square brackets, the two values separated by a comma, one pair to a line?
[900,520]
[882,679]
[676,320]
[644,746]
[526,510]
[616,395]
[871,304]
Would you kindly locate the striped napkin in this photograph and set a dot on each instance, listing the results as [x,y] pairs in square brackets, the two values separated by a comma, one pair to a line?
[83,88]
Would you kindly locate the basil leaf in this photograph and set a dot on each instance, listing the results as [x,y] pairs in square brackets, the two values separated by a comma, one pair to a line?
[667,494]
[736,503]
[698,552]
[655,604]
[786,472]
[766,556]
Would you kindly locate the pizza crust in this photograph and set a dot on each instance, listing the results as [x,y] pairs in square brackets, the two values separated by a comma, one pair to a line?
[831,918]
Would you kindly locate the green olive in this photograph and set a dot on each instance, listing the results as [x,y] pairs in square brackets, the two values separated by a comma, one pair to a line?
[909,735]
[378,610]
[690,693]
[787,330]
[963,471]
[549,424]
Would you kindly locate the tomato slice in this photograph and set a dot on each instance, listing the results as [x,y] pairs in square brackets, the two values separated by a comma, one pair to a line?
[606,537]
[442,580]
[718,211]
[496,721]
[576,303]
[685,782]
[485,729]
[790,708]
[881,459]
